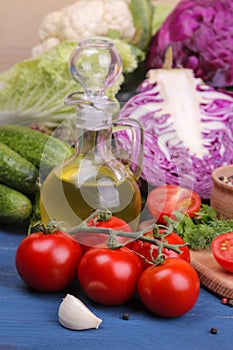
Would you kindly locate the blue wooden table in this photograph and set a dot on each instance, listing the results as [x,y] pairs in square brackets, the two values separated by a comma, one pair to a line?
[28,320]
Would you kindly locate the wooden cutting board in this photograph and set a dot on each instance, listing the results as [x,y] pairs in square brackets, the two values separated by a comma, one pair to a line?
[211,275]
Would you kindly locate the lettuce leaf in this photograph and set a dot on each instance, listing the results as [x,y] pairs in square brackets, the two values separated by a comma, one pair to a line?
[34,90]
[141,11]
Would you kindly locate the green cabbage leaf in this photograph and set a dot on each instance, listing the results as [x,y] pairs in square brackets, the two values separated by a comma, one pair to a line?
[34,89]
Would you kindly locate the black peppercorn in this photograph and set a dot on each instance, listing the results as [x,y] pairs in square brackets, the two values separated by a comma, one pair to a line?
[125,316]
[226,179]
[213,330]
[230,302]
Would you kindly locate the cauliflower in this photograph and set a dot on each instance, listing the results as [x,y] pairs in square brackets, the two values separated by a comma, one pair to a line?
[49,25]
[129,20]
[44,46]
[100,16]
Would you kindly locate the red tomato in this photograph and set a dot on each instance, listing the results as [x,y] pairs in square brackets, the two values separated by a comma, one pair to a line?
[163,200]
[222,249]
[170,289]
[98,240]
[114,223]
[146,249]
[109,277]
[48,262]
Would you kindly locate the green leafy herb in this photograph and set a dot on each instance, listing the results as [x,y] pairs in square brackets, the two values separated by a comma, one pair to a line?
[199,231]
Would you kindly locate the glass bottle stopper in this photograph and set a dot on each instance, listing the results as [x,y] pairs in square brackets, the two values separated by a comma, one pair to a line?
[95,64]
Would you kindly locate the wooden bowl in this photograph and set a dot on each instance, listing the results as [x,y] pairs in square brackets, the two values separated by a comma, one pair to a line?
[221,197]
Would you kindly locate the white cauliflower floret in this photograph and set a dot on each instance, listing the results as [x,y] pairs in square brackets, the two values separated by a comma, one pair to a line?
[86,18]
[44,46]
[118,16]
[82,19]
[49,25]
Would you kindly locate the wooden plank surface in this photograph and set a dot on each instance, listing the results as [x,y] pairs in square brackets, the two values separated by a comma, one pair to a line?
[28,320]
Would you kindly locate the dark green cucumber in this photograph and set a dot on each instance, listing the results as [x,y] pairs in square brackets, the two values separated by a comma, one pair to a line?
[17,172]
[15,207]
[42,150]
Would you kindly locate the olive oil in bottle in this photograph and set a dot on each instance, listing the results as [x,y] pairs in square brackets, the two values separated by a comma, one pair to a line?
[71,203]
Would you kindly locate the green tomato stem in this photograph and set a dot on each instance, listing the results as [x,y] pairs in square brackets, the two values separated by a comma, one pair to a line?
[112,243]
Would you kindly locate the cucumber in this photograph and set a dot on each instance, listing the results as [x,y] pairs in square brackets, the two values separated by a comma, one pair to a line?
[42,150]
[15,207]
[17,172]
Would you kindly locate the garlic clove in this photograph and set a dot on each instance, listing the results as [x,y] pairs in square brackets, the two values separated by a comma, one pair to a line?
[73,314]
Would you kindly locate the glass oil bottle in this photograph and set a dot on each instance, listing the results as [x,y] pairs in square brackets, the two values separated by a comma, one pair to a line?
[93,177]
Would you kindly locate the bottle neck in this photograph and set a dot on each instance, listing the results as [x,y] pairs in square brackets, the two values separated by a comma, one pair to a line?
[93,141]
[94,131]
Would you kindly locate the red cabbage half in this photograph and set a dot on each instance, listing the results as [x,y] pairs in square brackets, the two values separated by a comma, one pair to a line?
[188,129]
[200,33]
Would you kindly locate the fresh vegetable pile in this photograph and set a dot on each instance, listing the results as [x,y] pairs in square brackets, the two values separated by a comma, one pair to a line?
[113,264]
[123,19]
[188,127]
[26,157]
[112,273]
[33,91]
[188,124]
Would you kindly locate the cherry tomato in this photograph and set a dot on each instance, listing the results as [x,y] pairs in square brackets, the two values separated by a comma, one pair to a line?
[163,200]
[48,262]
[109,277]
[113,222]
[170,289]
[98,240]
[145,249]
[222,249]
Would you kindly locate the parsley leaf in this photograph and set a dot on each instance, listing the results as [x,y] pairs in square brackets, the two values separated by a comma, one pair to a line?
[199,231]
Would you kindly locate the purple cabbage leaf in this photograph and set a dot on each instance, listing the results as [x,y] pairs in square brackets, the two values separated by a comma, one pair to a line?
[188,129]
[200,33]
